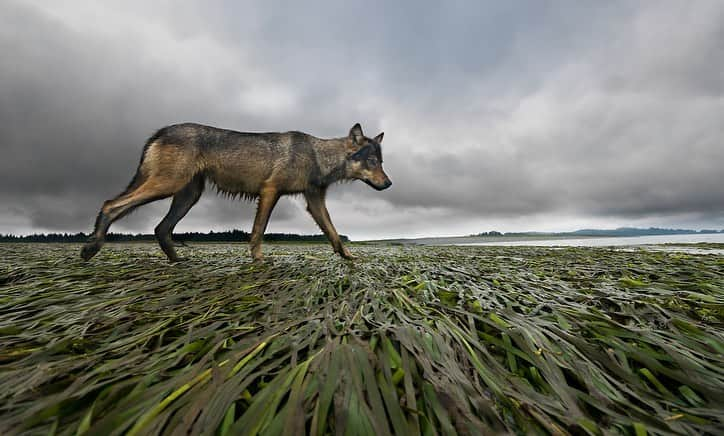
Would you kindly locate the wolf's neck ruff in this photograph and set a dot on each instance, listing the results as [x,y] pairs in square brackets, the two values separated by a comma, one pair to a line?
[331,159]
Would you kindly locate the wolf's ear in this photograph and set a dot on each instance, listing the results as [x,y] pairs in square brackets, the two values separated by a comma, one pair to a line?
[378,138]
[355,134]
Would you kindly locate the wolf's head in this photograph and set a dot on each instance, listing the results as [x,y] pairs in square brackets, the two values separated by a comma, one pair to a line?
[364,159]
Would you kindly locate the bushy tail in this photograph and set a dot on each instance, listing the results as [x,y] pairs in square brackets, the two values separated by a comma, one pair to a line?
[139,178]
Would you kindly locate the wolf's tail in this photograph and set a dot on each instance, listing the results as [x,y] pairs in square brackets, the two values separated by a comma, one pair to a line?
[139,177]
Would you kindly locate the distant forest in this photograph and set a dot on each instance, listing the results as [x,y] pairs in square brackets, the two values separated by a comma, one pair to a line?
[227,236]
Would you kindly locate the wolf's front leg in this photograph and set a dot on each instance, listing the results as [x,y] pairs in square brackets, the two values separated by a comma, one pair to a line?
[267,200]
[318,210]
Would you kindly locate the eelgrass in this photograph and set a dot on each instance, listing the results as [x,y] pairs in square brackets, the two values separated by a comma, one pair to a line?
[407,340]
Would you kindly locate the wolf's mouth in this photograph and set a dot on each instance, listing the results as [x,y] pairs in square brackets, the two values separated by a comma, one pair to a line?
[382,187]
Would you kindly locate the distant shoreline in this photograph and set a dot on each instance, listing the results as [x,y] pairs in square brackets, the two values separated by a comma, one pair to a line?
[583,234]
[456,240]
[485,238]
[560,240]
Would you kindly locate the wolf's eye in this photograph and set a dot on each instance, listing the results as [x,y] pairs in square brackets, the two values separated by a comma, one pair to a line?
[372,162]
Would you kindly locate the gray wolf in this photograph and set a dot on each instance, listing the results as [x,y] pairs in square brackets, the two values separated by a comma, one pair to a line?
[178,160]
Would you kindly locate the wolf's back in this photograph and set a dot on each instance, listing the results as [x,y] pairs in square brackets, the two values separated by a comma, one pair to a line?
[237,162]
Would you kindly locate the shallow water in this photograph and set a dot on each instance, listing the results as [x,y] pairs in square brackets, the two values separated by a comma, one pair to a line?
[624,241]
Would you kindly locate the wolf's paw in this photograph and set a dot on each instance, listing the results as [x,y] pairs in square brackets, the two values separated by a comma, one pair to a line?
[89,250]
[346,255]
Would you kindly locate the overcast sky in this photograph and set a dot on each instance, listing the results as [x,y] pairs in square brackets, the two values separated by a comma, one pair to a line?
[520,115]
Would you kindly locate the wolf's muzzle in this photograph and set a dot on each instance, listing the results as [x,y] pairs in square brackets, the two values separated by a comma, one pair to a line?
[387,183]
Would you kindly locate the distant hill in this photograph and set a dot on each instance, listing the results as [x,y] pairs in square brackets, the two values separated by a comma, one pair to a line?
[227,236]
[621,231]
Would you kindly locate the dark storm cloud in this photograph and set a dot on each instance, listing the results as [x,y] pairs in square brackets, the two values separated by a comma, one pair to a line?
[495,114]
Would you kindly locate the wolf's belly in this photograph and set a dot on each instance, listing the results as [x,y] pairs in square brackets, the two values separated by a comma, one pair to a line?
[249,179]
[234,182]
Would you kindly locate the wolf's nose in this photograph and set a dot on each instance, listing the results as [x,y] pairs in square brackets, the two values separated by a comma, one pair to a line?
[388,183]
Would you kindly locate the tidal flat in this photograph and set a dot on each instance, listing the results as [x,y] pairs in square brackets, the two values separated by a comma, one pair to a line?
[404,340]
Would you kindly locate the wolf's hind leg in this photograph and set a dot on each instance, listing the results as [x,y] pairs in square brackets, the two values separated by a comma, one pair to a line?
[150,190]
[267,200]
[182,202]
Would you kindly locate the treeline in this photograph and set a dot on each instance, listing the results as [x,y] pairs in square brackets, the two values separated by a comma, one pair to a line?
[227,236]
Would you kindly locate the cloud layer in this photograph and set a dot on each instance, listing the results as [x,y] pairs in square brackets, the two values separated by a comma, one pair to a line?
[507,116]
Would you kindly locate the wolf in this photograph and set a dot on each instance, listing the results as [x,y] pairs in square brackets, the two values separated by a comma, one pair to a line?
[178,160]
